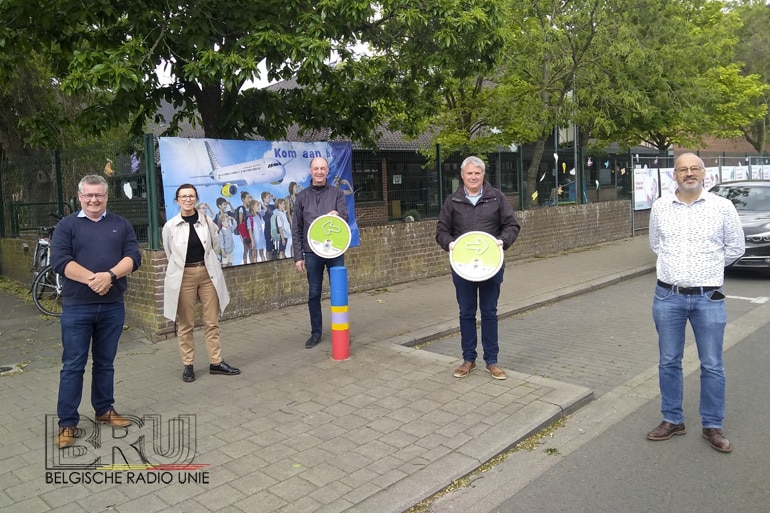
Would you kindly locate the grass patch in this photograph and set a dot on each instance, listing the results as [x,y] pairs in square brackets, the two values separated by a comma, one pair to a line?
[15,288]
[529,444]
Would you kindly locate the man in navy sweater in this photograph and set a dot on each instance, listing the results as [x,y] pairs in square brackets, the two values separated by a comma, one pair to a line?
[94,250]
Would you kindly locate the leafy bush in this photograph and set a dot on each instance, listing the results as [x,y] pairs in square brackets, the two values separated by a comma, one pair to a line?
[413,214]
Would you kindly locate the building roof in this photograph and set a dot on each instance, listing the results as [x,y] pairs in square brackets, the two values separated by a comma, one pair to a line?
[387,140]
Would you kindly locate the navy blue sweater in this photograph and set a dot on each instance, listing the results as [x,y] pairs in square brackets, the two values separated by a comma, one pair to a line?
[96,246]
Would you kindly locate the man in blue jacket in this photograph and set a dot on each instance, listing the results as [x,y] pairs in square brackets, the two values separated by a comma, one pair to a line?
[94,250]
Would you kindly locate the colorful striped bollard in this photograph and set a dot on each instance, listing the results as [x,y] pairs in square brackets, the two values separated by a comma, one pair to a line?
[338,285]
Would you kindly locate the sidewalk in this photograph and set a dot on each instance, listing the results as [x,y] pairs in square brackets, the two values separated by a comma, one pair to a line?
[298,431]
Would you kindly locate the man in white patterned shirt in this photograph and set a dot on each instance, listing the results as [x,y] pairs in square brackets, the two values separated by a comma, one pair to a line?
[695,235]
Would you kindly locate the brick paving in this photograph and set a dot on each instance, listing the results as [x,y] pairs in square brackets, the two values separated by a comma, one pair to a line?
[597,341]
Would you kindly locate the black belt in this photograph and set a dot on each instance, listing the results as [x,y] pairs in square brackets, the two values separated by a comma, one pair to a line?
[686,290]
[195,264]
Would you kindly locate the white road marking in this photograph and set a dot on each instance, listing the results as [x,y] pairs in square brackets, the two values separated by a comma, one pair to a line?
[757,300]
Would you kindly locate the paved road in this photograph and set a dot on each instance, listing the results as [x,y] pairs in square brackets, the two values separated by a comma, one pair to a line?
[621,471]
[601,462]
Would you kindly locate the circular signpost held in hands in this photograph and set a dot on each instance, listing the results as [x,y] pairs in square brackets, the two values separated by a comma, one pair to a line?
[329,236]
[476,256]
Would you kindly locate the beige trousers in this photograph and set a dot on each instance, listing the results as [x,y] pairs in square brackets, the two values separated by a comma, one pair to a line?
[197,284]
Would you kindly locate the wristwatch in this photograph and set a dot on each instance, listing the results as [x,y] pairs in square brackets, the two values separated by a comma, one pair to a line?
[112,275]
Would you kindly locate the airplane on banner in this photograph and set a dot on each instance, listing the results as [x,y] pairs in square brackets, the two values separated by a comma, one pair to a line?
[246,173]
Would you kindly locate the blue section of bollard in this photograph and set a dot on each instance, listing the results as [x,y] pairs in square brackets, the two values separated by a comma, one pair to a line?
[338,285]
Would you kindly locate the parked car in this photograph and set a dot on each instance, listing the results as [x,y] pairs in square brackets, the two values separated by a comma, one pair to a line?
[752,201]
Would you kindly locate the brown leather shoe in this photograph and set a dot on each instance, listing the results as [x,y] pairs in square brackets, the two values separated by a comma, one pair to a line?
[66,436]
[665,431]
[464,369]
[496,372]
[113,419]
[717,439]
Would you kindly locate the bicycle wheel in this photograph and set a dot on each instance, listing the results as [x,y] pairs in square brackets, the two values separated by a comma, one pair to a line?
[46,292]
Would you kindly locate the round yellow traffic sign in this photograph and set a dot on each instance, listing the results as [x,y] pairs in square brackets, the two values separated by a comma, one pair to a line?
[329,236]
[476,256]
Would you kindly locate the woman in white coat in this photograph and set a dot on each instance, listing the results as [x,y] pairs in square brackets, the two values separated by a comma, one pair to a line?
[191,243]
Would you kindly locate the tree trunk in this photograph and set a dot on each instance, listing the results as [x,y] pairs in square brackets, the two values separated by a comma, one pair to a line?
[532,172]
[210,108]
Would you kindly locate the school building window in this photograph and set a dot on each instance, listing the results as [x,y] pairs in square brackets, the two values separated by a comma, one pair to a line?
[367,179]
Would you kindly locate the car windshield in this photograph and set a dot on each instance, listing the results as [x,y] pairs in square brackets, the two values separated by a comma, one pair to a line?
[745,197]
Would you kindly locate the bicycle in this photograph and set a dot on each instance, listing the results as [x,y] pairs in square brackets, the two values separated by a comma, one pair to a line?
[47,284]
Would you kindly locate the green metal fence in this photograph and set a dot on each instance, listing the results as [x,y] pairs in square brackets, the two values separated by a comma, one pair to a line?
[37,185]
[44,184]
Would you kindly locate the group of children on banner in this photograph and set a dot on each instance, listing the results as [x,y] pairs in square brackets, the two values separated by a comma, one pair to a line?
[262,225]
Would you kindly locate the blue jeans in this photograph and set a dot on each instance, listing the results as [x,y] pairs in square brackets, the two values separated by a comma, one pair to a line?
[314,266]
[97,326]
[708,318]
[487,292]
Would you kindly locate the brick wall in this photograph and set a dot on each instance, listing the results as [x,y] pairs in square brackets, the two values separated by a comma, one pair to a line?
[372,213]
[389,254]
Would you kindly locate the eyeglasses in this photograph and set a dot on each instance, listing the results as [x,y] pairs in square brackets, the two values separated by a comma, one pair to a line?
[93,196]
[692,169]
[186,198]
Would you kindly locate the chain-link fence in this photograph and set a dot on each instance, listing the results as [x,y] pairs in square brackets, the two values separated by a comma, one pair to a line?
[42,185]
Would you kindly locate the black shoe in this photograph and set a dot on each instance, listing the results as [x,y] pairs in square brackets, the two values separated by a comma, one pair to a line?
[223,368]
[312,341]
[188,376]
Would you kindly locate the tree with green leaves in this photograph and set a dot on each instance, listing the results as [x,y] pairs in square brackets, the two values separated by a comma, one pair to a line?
[752,50]
[36,118]
[553,45]
[520,92]
[213,51]
[35,114]
[440,72]
[674,76]
[627,71]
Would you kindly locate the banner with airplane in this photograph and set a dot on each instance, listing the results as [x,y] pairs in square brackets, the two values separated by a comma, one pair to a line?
[248,189]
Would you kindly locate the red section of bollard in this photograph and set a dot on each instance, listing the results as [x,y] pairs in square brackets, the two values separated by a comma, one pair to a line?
[340,344]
